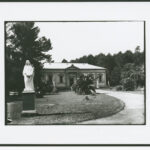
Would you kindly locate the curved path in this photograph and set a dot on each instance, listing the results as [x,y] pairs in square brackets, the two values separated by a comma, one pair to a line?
[132,114]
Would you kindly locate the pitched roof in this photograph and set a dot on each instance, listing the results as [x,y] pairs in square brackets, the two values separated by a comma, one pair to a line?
[67,65]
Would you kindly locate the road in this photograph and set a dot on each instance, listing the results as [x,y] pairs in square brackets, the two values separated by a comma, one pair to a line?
[133,112]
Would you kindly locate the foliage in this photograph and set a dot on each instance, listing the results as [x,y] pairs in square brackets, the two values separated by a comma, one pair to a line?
[115,76]
[127,70]
[119,66]
[44,88]
[128,57]
[128,84]
[133,72]
[84,84]
[22,43]
[119,87]
[64,61]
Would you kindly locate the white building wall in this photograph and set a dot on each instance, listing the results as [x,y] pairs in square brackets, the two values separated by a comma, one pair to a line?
[57,73]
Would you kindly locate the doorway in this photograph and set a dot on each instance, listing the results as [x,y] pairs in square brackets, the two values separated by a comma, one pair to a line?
[71,81]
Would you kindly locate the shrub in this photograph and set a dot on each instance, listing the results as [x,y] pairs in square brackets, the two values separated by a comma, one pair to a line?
[44,88]
[128,84]
[119,88]
[84,84]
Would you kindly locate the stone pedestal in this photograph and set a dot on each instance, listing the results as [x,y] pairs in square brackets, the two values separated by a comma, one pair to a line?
[28,103]
[14,110]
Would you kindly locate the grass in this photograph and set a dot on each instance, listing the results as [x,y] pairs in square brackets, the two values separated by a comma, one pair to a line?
[70,108]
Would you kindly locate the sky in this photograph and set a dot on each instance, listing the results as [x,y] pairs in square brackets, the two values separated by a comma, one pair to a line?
[71,40]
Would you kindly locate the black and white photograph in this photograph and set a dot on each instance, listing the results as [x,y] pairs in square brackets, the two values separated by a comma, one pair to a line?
[75,72]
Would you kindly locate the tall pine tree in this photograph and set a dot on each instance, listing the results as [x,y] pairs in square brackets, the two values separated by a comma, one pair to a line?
[22,43]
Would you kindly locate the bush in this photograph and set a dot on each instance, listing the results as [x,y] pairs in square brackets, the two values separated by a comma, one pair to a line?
[84,85]
[119,88]
[39,93]
[44,88]
[128,84]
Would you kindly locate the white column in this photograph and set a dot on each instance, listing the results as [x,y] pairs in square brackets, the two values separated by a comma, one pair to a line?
[104,78]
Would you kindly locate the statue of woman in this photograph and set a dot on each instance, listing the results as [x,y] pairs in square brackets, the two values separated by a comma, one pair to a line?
[28,73]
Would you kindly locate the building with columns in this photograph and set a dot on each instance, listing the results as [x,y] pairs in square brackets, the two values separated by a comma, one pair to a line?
[63,75]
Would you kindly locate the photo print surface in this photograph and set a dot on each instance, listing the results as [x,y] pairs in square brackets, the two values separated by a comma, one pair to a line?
[75,73]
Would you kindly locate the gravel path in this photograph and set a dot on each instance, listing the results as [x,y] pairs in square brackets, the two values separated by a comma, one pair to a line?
[132,114]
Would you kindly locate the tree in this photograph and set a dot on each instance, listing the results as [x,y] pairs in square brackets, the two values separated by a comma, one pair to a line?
[138,75]
[138,56]
[64,61]
[84,84]
[128,84]
[100,59]
[128,57]
[127,70]
[91,59]
[119,66]
[130,73]
[118,58]
[80,60]
[115,76]
[22,43]
[137,49]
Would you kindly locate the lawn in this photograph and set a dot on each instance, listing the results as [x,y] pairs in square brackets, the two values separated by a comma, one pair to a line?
[70,108]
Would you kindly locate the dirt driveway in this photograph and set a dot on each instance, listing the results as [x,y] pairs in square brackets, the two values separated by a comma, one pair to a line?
[132,114]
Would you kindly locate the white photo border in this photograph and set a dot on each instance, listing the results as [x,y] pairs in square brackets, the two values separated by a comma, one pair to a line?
[74,135]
